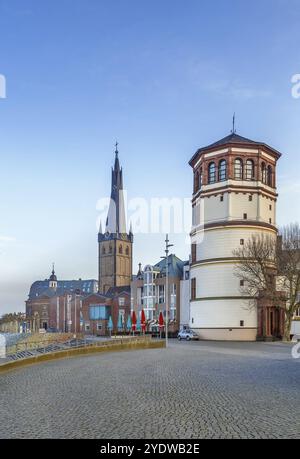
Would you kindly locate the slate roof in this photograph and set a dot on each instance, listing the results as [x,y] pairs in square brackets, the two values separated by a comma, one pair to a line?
[40,288]
[175,266]
[230,139]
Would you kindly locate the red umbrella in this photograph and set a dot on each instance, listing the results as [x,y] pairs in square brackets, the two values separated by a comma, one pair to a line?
[133,320]
[161,320]
[143,321]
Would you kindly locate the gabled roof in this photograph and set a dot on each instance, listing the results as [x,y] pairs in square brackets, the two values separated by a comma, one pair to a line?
[233,139]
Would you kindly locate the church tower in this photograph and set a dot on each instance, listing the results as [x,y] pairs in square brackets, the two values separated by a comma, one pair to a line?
[115,244]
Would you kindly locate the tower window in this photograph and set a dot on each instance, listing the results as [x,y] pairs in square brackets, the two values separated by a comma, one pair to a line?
[245,216]
[242,283]
[270,207]
[263,173]
[120,249]
[242,323]
[250,198]
[212,173]
[194,253]
[222,170]
[270,221]
[238,169]
[127,250]
[110,249]
[242,242]
[249,170]
[193,288]
[269,176]
[222,198]
[103,251]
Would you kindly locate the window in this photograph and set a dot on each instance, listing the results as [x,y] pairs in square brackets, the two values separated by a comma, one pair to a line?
[127,250]
[212,173]
[200,178]
[99,326]
[250,197]
[194,253]
[270,207]
[238,169]
[103,251]
[193,288]
[242,242]
[87,327]
[242,323]
[263,173]
[222,170]
[270,221]
[161,294]
[245,216]
[110,249]
[121,301]
[120,249]
[222,198]
[99,312]
[269,176]
[242,283]
[196,183]
[249,169]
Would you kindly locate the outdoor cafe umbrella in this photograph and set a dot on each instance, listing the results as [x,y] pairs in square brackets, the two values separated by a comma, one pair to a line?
[110,325]
[160,322]
[133,321]
[138,323]
[129,323]
[143,321]
[120,322]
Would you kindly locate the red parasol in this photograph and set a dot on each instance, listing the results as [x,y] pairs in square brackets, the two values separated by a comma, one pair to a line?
[161,320]
[143,320]
[133,320]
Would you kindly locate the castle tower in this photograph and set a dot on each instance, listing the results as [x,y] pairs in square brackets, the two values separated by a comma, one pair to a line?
[115,245]
[234,197]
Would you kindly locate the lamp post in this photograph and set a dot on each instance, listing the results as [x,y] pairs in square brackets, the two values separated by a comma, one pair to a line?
[167,285]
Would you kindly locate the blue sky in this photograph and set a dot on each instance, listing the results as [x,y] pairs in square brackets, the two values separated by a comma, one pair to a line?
[162,77]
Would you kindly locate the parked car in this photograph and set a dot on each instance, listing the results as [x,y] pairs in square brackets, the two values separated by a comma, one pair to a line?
[188,335]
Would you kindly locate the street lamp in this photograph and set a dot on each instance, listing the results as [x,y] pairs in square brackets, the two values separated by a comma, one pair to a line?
[167,284]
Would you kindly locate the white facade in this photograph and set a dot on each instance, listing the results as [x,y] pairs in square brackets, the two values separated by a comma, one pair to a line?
[185,297]
[226,213]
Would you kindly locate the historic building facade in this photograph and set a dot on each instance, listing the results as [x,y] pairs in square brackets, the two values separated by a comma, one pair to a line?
[234,197]
[115,244]
[56,304]
[148,292]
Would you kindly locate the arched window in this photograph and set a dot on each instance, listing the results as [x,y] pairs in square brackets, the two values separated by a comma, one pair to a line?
[127,250]
[269,176]
[222,170]
[196,182]
[103,251]
[263,173]
[238,169]
[249,169]
[211,173]
[200,178]
[110,249]
[120,249]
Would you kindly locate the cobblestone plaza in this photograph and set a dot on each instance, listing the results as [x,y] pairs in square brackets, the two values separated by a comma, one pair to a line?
[190,390]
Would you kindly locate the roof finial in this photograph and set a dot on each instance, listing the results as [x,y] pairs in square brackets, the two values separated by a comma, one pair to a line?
[117,151]
[53,268]
[233,124]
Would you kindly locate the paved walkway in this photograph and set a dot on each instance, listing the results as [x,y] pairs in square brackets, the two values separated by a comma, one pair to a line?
[191,390]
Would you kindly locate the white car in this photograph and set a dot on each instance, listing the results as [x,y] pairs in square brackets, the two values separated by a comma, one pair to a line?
[188,335]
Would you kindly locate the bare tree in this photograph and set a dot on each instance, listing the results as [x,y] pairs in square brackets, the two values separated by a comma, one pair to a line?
[270,268]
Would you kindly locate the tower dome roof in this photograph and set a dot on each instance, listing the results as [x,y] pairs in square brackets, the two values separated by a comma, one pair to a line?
[53,276]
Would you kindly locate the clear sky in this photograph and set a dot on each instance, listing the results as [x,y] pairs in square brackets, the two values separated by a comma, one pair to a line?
[162,77]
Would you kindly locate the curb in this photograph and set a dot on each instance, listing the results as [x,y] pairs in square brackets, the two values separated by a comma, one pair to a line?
[80,352]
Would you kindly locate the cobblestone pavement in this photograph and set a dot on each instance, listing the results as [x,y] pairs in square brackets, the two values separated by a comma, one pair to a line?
[190,390]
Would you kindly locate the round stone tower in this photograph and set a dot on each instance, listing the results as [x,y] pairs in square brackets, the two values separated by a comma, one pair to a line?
[234,197]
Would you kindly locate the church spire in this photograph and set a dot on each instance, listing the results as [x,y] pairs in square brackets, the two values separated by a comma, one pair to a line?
[116,223]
